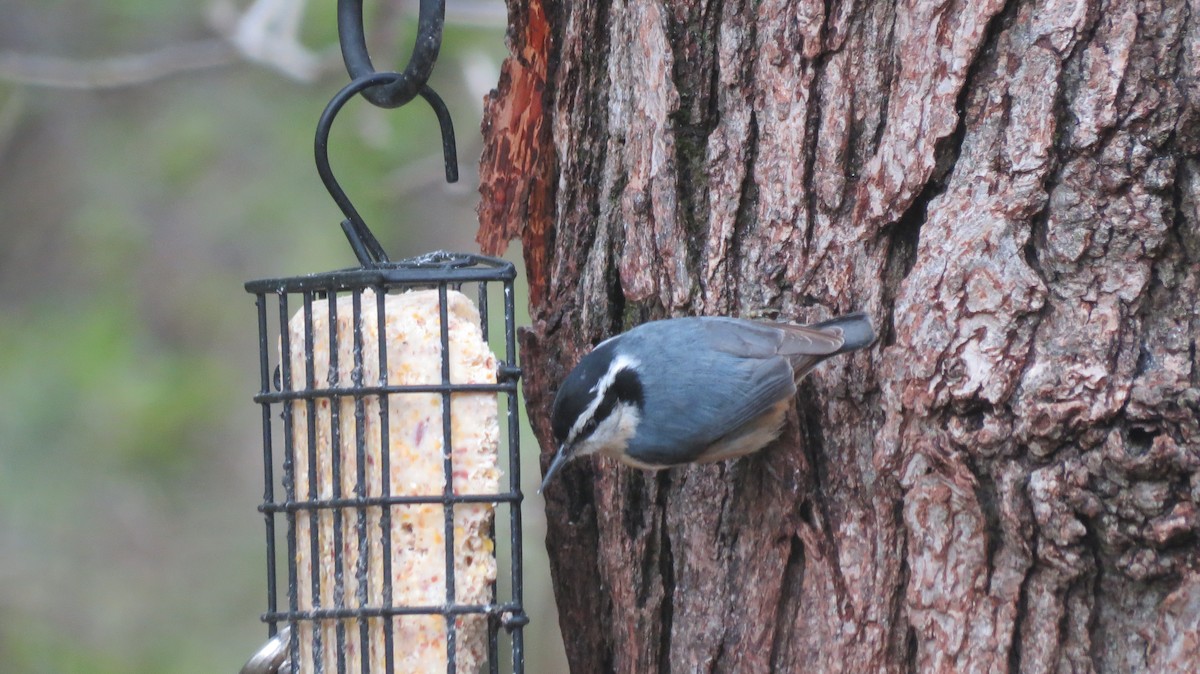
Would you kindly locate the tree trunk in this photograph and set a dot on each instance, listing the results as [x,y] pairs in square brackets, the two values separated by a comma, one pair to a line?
[1008,480]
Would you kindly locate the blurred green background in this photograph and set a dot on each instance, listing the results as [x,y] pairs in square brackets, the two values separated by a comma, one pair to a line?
[147,169]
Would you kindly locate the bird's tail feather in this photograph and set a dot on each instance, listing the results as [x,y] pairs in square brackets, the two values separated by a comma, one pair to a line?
[856,329]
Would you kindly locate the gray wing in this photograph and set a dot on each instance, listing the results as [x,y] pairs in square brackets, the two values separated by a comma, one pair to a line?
[744,376]
[802,345]
[762,339]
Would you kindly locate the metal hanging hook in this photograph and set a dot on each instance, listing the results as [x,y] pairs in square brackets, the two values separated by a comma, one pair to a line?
[366,247]
[387,90]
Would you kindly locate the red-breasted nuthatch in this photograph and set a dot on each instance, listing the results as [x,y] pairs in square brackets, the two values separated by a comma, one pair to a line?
[687,390]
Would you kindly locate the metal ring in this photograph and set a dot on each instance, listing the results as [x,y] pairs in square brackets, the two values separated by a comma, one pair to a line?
[408,84]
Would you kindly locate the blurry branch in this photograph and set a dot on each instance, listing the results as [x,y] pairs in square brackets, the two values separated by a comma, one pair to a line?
[119,71]
[267,32]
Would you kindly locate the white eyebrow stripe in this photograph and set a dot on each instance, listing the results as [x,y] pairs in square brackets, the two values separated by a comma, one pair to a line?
[615,368]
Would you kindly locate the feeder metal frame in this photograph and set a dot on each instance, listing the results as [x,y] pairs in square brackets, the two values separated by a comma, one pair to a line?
[442,271]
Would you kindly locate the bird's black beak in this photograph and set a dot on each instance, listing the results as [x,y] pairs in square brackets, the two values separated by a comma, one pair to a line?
[560,458]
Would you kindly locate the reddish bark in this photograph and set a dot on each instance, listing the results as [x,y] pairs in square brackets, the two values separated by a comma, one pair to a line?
[516,168]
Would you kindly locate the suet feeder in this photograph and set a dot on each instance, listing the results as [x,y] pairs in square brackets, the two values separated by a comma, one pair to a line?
[390,435]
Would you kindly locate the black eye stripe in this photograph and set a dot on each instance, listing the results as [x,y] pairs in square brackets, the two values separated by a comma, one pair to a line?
[605,408]
[607,405]
[625,388]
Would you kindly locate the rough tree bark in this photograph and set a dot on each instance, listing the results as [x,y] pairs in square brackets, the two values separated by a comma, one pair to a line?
[1008,480]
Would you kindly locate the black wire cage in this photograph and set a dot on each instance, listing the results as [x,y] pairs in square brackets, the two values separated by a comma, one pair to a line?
[330,416]
[390,437]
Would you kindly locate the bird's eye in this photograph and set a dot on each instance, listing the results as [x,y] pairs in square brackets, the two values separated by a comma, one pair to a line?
[589,427]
